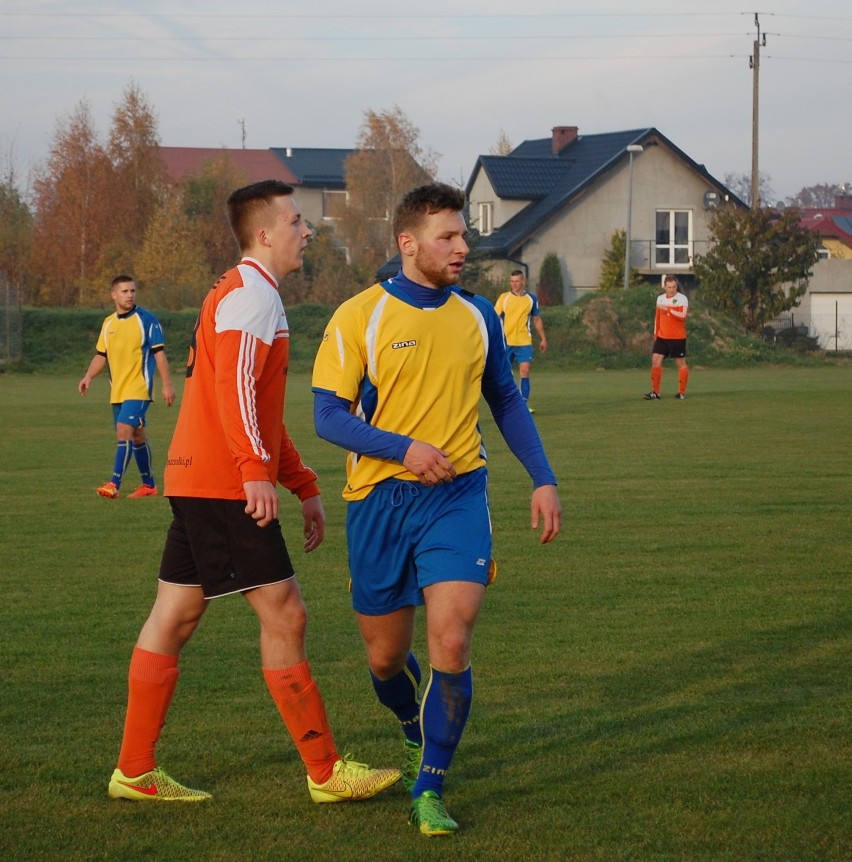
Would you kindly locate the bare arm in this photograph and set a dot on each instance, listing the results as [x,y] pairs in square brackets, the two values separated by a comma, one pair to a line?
[539,328]
[97,365]
[165,376]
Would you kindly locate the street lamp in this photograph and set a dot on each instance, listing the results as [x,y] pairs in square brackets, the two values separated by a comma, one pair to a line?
[633,148]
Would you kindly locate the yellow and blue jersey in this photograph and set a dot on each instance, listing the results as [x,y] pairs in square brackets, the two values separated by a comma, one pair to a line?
[517,311]
[129,342]
[413,362]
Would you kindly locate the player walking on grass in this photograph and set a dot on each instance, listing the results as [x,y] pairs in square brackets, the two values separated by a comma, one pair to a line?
[398,379]
[131,344]
[229,449]
[669,338]
[518,309]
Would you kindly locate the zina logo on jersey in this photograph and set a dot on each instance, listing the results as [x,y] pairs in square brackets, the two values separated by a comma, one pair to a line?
[398,345]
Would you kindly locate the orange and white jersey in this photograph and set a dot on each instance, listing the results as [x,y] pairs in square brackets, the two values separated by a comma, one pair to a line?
[230,427]
[670,321]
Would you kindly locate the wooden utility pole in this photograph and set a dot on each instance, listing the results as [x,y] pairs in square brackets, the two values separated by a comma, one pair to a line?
[754,64]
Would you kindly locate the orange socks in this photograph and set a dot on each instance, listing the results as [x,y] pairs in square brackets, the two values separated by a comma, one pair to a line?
[683,379]
[151,683]
[299,701]
[656,378]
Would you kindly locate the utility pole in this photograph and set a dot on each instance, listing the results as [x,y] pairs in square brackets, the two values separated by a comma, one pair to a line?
[242,124]
[754,65]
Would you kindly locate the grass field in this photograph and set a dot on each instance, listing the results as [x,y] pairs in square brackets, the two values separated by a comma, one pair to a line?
[670,680]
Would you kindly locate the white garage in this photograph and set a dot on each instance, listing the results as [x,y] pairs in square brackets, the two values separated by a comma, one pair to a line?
[831,319]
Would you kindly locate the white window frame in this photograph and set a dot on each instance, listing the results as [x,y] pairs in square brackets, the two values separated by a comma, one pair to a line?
[486,218]
[672,245]
[328,195]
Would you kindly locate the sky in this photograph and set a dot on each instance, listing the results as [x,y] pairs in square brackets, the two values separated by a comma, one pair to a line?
[303,75]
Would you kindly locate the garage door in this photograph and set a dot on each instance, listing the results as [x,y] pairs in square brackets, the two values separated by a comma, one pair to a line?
[831,320]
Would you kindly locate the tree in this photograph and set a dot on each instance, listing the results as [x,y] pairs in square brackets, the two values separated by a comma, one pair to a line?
[172,263]
[139,172]
[502,146]
[329,279]
[822,195]
[758,265]
[205,197]
[740,185]
[16,236]
[612,266]
[550,286]
[74,209]
[389,161]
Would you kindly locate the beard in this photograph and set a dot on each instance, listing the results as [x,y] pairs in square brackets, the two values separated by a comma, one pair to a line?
[435,274]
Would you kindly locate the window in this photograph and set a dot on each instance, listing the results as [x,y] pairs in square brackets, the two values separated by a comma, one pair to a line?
[332,203]
[486,218]
[674,238]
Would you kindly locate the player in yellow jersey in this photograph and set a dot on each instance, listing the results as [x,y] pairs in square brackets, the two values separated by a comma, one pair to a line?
[131,346]
[669,338]
[518,310]
[398,380]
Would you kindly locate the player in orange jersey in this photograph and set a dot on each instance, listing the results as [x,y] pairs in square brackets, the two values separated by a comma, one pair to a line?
[669,338]
[229,450]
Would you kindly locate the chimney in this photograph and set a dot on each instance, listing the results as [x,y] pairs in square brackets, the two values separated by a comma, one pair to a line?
[562,136]
[843,202]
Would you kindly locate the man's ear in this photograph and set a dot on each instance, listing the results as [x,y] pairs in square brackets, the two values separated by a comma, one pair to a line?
[407,244]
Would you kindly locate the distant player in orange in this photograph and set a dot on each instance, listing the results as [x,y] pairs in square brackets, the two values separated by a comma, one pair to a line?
[669,338]
[229,451]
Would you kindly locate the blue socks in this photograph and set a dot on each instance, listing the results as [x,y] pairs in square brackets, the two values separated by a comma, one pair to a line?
[122,458]
[400,694]
[446,706]
[525,388]
[142,454]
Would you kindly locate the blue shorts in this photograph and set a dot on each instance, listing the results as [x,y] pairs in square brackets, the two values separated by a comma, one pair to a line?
[518,354]
[130,413]
[405,536]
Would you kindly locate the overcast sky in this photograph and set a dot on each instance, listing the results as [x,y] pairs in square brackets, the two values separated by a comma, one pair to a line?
[461,72]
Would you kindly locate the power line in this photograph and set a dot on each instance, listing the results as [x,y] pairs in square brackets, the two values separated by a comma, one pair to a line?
[338,59]
[362,38]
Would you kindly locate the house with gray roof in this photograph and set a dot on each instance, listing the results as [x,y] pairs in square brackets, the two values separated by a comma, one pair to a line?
[568,194]
[320,177]
[317,174]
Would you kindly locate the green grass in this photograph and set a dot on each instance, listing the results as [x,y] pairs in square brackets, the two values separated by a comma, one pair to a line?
[669,680]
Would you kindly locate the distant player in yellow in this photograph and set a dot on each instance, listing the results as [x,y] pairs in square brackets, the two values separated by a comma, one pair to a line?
[518,310]
[669,338]
[131,344]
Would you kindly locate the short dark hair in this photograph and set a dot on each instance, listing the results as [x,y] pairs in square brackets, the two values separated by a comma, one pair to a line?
[517,272]
[245,203]
[121,279]
[424,201]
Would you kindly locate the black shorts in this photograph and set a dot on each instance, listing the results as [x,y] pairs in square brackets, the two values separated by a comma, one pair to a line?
[671,348]
[215,545]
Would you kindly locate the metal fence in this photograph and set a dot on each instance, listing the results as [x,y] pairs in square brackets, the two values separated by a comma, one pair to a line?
[11,328]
